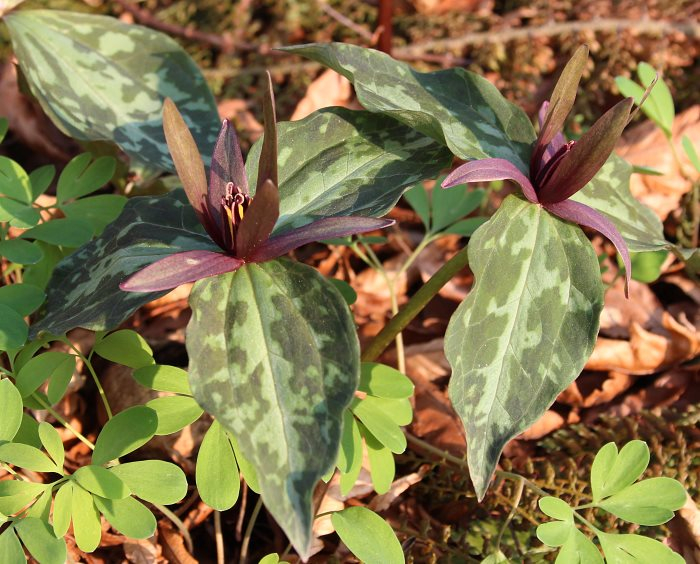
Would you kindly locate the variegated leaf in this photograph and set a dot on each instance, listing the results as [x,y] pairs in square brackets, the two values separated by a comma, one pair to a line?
[525,330]
[84,289]
[341,162]
[609,193]
[453,106]
[274,356]
[98,78]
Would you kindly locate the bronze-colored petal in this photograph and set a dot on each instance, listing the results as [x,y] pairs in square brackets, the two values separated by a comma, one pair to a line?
[259,219]
[267,168]
[226,166]
[188,161]
[587,155]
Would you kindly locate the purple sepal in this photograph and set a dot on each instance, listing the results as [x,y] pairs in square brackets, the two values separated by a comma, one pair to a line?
[226,166]
[326,228]
[582,214]
[557,142]
[180,268]
[490,169]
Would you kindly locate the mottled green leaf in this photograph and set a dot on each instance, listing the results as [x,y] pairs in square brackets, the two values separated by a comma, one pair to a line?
[174,413]
[23,298]
[11,409]
[649,502]
[40,541]
[124,433]
[84,290]
[525,330]
[612,472]
[125,347]
[163,378]
[339,162]
[156,481]
[631,549]
[51,441]
[20,251]
[281,393]
[86,520]
[217,475]
[368,536]
[98,78]
[609,193]
[13,329]
[10,549]
[100,481]
[128,516]
[454,106]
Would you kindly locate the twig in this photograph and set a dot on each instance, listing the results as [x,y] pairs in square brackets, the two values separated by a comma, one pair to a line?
[386,12]
[249,531]
[218,535]
[347,22]
[175,520]
[564,28]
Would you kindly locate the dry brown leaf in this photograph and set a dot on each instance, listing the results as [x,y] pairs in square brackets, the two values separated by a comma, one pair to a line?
[587,390]
[549,421]
[173,545]
[646,145]
[237,111]
[647,352]
[642,308]
[329,89]
[429,7]
[145,551]
[398,486]
[685,531]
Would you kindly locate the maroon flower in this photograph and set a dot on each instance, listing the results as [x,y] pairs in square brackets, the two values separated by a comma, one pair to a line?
[559,169]
[237,222]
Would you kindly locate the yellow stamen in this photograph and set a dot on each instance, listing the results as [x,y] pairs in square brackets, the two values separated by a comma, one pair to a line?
[240,212]
[230,221]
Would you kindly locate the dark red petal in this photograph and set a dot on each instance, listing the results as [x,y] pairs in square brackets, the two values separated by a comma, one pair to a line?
[557,142]
[486,170]
[226,166]
[560,103]
[259,219]
[587,155]
[326,228]
[186,157]
[582,214]
[267,167]
[180,268]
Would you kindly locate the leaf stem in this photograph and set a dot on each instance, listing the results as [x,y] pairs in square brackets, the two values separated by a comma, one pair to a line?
[218,535]
[249,531]
[520,486]
[87,363]
[62,421]
[178,523]
[415,305]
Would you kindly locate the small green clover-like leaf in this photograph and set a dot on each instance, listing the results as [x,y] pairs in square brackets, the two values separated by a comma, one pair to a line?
[20,251]
[11,409]
[555,533]
[368,536]
[63,232]
[124,433]
[41,179]
[450,206]
[612,472]
[14,181]
[28,432]
[629,549]
[52,365]
[155,481]
[18,214]
[86,520]
[217,475]
[17,494]
[125,347]
[4,126]
[10,548]
[382,427]
[162,378]
[649,502]
[350,452]
[556,508]
[646,267]
[23,298]
[418,199]
[272,558]
[13,329]
[578,549]
[384,381]
[38,536]
[83,175]
[128,516]
[52,442]
[62,508]
[381,462]
[100,481]
[99,211]
[245,468]
[690,151]
[27,457]
[174,413]
[495,558]
[41,508]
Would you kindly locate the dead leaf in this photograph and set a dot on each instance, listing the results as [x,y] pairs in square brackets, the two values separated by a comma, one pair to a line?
[329,89]
[399,486]
[642,308]
[685,531]
[145,551]
[174,545]
[549,421]
[238,112]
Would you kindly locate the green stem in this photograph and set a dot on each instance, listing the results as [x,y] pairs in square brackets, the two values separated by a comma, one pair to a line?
[249,531]
[516,502]
[415,305]
[87,362]
[219,538]
[178,523]
[586,522]
[62,421]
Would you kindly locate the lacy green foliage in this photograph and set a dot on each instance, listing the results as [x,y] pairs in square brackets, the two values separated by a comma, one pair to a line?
[338,162]
[100,79]
[525,330]
[275,358]
[479,123]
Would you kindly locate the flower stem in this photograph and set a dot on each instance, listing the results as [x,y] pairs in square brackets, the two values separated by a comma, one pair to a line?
[415,305]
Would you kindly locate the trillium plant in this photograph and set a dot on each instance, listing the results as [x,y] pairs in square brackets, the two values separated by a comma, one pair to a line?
[274,355]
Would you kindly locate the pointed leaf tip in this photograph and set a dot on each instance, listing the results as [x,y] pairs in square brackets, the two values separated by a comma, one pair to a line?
[226,166]
[268,155]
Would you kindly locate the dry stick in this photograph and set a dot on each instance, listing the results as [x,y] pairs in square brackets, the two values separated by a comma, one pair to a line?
[386,11]
[218,535]
[415,305]
[347,22]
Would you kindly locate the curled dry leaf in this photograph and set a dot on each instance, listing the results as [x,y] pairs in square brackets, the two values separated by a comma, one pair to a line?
[549,422]
[685,531]
[238,112]
[643,308]
[647,352]
[329,89]
[645,145]
[145,551]
[399,486]
[576,395]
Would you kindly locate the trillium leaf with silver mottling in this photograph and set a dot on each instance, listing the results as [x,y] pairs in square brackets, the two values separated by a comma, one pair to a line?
[280,392]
